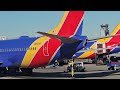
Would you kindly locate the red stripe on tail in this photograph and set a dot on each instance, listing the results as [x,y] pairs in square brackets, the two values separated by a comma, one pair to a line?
[71,23]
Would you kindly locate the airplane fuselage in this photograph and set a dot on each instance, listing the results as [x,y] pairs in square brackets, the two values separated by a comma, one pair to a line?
[35,52]
[90,54]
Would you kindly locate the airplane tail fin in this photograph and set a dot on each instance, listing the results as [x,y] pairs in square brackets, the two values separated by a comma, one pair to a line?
[116,30]
[70,24]
[116,39]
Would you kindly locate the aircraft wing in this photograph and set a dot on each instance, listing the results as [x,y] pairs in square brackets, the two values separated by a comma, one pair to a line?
[97,49]
[63,39]
[104,37]
[91,50]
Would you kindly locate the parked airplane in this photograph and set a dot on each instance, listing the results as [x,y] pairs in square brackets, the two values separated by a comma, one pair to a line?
[100,47]
[25,53]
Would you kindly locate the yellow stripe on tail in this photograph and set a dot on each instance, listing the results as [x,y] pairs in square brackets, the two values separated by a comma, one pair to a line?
[57,28]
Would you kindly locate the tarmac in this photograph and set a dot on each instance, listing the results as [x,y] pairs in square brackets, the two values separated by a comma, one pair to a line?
[91,72]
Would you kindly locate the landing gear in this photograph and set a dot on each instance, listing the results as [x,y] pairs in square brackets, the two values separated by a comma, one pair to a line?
[111,68]
[15,71]
[27,71]
[101,59]
[3,70]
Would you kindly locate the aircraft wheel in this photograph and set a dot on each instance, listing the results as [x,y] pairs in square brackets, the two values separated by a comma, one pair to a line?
[113,68]
[13,71]
[3,70]
[109,68]
[27,71]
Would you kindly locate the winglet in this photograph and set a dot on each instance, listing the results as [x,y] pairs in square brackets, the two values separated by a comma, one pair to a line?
[116,30]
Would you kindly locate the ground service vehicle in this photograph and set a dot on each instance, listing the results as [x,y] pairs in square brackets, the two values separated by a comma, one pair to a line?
[78,67]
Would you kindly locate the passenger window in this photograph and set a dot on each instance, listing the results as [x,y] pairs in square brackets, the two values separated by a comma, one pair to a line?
[15,49]
[11,49]
[0,50]
[20,49]
[6,50]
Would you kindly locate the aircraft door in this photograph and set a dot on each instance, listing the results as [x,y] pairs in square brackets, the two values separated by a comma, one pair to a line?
[45,49]
[100,46]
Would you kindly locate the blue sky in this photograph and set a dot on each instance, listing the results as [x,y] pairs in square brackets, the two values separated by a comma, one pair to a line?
[17,23]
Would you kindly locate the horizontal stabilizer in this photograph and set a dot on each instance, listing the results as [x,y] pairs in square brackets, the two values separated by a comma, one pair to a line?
[104,37]
[63,39]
